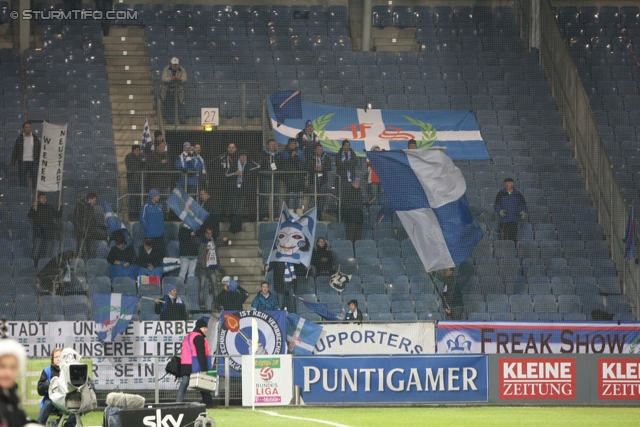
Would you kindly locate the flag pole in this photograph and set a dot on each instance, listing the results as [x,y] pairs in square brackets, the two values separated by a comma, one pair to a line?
[254,350]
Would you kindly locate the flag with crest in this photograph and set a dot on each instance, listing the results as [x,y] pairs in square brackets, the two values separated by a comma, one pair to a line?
[112,314]
[302,334]
[186,208]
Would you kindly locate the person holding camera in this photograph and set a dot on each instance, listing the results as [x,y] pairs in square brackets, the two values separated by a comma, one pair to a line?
[46,405]
[196,357]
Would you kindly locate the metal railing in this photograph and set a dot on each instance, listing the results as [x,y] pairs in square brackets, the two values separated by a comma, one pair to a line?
[148,179]
[242,104]
[585,139]
[311,193]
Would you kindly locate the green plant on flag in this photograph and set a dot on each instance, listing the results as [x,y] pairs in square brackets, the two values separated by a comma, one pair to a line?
[429,134]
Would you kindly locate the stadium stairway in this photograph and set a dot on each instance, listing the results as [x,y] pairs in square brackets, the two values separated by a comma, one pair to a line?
[130,88]
[242,259]
[393,39]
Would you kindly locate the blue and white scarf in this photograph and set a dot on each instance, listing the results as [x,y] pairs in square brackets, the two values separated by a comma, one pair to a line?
[289,272]
[346,156]
[241,169]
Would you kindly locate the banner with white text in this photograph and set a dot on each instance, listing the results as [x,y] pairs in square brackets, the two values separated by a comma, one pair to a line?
[54,140]
[381,338]
[124,362]
[538,338]
[392,379]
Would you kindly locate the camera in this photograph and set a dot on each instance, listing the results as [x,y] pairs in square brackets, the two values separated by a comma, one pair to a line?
[70,392]
[77,374]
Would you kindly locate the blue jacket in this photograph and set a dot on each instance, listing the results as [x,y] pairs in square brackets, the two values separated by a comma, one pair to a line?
[512,204]
[191,164]
[152,219]
[265,304]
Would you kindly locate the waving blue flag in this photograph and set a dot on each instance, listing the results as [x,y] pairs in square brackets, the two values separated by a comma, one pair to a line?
[286,105]
[302,334]
[112,314]
[457,130]
[112,221]
[427,191]
[187,209]
[295,236]
[321,309]
[630,236]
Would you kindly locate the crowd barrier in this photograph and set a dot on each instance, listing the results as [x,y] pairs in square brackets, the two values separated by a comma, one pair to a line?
[384,363]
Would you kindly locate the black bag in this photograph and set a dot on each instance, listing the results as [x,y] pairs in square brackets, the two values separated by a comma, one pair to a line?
[174,366]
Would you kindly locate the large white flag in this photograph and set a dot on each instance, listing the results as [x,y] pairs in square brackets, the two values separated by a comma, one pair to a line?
[54,139]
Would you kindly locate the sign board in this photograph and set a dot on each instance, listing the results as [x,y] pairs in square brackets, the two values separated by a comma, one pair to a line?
[125,362]
[273,384]
[174,415]
[385,338]
[537,378]
[538,338]
[210,116]
[236,336]
[392,380]
[54,140]
[619,378]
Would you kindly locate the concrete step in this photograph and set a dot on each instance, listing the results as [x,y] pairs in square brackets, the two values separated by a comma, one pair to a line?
[122,97]
[124,112]
[394,42]
[136,50]
[395,48]
[128,31]
[122,40]
[391,32]
[128,121]
[253,275]
[241,262]
[242,252]
[132,104]
[125,68]
[129,137]
[123,76]
[129,60]
[131,89]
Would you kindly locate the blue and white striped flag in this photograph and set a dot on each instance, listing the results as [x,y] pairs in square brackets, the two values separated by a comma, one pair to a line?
[427,191]
[187,209]
[112,314]
[146,135]
[457,130]
[111,219]
[302,334]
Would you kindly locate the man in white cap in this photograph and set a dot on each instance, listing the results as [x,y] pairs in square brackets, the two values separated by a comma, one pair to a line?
[173,78]
[190,167]
[232,295]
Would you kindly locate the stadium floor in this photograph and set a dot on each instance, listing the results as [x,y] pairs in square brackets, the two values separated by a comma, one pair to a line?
[476,416]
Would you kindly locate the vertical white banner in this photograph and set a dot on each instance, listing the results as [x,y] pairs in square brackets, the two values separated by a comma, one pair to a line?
[271,380]
[54,139]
